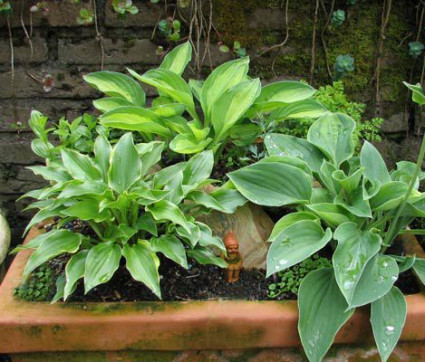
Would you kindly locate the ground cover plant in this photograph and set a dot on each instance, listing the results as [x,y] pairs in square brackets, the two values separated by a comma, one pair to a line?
[359,209]
[133,211]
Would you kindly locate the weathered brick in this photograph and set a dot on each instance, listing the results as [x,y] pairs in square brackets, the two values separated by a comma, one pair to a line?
[149,14]
[117,51]
[18,179]
[16,149]
[22,52]
[273,19]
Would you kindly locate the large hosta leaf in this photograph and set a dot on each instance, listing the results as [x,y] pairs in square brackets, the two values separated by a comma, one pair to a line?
[355,248]
[288,220]
[377,278]
[308,108]
[198,168]
[60,242]
[272,184]
[101,263]
[389,196]
[296,243]
[187,143]
[332,214]
[165,210]
[333,135]
[126,166]
[387,316]
[109,103]
[117,85]
[323,311]
[171,247]
[374,165]
[142,263]
[74,270]
[280,145]
[419,268]
[178,58]
[79,166]
[205,256]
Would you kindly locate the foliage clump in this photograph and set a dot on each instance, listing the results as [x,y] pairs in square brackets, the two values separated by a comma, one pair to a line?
[40,285]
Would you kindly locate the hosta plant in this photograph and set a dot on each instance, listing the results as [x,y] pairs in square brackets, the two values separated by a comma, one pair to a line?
[359,209]
[134,213]
[197,115]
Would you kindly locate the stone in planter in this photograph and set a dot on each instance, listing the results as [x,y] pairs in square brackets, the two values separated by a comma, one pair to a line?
[4,238]
[252,227]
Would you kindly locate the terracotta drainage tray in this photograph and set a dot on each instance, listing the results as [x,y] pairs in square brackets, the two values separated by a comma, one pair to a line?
[39,327]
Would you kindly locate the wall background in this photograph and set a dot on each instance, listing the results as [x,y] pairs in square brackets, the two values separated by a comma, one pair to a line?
[66,50]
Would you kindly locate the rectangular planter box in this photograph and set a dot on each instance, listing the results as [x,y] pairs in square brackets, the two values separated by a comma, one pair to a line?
[38,327]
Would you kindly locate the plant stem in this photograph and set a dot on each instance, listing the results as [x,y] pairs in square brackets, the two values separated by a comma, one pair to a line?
[391,231]
[96,229]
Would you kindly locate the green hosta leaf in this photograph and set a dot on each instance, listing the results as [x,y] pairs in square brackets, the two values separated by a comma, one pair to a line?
[289,220]
[74,270]
[171,247]
[284,145]
[387,317]
[135,119]
[147,223]
[229,200]
[186,143]
[190,236]
[272,184]
[58,243]
[163,177]
[50,173]
[42,215]
[102,151]
[220,80]
[419,268]
[60,286]
[323,311]
[36,242]
[417,93]
[142,263]
[150,154]
[389,196]
[198,168]
[332,214]
[93,188]
[205,256]
[101,263]
[86,210]
[126,166]
[404,262]
[374,165]
[169,110]
[165,210]
[308,108]
[207,239]
[109,103]
[333,135]
[117,85]
[79,166]
[232,105]
[41,148]
[296,243]
[377,279]
[355,248]
[178,58]
[196,87]
[171,84]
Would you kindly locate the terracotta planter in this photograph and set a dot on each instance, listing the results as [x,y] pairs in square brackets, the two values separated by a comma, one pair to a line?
[30,327]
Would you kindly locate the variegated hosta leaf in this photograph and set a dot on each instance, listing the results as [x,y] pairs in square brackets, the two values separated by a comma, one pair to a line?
[74,270]
[171,247]
[178,58]
[205,256]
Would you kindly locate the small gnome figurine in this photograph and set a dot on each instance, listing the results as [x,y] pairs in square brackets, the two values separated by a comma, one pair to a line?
[233,258]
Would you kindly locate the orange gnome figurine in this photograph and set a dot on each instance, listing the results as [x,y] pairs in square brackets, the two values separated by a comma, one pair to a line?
[233,258]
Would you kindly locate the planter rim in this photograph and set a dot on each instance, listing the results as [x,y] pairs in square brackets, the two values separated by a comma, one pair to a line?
[220,324]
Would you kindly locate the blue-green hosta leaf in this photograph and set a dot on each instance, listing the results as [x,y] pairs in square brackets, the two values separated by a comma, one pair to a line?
[323,311]
[87,210]
[228,199]
[284,145]
[102,151]
[232,105]
[171,247]
[220,80]
[162,177]
[419,268]
[333,135]
[166,210]
[169,83]
[355,248]
[373,164]
[150,154]
[389,196]
[178,58]
[325,178]
[207,239]
[198,168]
[404,262]
[405,171]
[79,166]
[205,256]
[370,188]
[288,220]
[109,103]
[296,243]
[289,160]
[272,184]
[101,263]
[377,278]
[126,167]
[73,190]
[186,143]
[59,242]
[50,173]
[308,108]
[117,85]
[348,183]
[143,263]
[174,186]
[134,118]
[355,203]
[387,316]
[74,271]
[332,214]
[320,195]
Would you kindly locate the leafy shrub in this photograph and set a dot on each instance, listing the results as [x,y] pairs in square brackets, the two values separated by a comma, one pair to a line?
[360,205]
[134,212]
[290,279]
